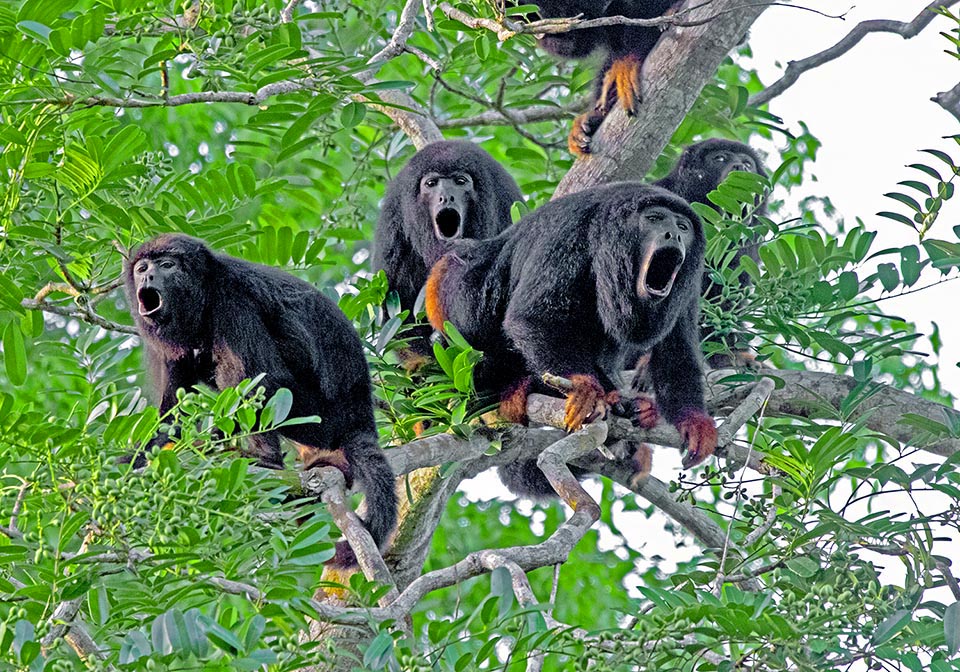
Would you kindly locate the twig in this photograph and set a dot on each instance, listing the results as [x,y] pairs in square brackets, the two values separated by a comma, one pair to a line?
[906,30]
[77,313]
[286,15]
[405,27]
[949,100]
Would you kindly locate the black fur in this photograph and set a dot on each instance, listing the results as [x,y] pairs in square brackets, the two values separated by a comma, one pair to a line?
[559,293]
[407,244]
[696,175]
[208,318]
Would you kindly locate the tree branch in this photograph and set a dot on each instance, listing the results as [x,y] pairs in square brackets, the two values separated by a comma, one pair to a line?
[906,30]
[950,101]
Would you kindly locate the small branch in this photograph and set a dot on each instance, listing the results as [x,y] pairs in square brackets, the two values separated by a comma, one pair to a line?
[405,27]
[286,15]
[511,117]
[77,313]
[768,520]
[949,100]
[906,30]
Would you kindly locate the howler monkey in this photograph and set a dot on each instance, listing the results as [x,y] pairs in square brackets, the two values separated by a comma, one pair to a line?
[571,289]
[702,167]
[213,319]
[626,48]
[448,191]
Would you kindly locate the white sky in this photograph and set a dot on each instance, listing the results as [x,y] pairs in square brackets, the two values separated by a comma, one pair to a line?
[871,109]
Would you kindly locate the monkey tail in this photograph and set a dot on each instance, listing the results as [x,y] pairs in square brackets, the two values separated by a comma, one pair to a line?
[526,480]
[375,477]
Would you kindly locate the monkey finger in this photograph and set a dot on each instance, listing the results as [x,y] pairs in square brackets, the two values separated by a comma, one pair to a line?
[642,462]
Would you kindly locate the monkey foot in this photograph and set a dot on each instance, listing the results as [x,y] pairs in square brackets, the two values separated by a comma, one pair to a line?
[411,360]
[642,461]
[315,458]
[513,402]
[419,427]
[586,402]
[699,433]
[645,413]
[624,77]
[583,129]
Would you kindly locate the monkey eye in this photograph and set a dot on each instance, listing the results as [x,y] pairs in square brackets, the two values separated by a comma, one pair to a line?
[460,180]
[683,224]
[720,158]
[167,264]
[654,216]
[141,267]
[432,182]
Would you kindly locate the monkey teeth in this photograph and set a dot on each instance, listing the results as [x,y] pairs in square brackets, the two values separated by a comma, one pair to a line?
[447,224]
[149,301]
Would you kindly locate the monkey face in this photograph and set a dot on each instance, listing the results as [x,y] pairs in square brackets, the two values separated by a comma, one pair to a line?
[158,282]
[719,163]
[448,199]
[667,236]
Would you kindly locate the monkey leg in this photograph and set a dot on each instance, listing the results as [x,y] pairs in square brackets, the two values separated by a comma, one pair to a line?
[584,126]
[699,433]
[586,401]
[411,360]
[624,76]
[513,402]
[642,461]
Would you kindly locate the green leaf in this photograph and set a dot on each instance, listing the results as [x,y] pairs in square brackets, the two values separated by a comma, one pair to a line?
[352,114]
[14,354]
[889,276]
[951,628]
[379,651]
[848,285]
[890,626]
[36,30]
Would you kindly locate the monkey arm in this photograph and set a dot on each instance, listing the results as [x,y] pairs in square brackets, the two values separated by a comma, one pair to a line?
[677,375]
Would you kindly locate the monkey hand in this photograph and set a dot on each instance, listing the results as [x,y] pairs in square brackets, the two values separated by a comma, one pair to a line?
[699,433]
[645,413]
[513,402]
[583,129]
[586,401]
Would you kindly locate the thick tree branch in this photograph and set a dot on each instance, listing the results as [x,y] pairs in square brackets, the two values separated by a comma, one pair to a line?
[950,101]
[906,30]
[676,70]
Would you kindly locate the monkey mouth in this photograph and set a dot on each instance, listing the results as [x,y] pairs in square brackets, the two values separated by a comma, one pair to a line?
[149,301]
[659,272]
[447,224]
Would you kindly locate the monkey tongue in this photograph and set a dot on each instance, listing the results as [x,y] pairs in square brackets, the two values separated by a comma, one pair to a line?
[446,224]
[659,271]
[149,301]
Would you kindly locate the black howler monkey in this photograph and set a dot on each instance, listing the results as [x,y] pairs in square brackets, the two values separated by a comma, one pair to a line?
[571,289]
[626,48]
[448,191]
[213,319]
[702,167]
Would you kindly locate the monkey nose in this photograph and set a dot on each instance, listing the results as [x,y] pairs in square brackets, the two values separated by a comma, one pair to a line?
[667,235]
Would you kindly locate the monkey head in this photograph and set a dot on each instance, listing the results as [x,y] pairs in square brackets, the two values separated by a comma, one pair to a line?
[166,287]
[448,199]
[667,236]
[704,166]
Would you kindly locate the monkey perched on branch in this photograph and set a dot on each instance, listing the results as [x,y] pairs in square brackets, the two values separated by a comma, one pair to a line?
[571,290]
[448,191]
[208,318]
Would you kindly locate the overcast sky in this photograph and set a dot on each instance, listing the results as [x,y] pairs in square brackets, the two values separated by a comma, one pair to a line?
[871,108]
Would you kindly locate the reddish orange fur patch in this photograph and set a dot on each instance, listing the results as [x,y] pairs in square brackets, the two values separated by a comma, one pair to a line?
[625,73]
[513,402]
[585,402]
[642,464]
[645,413]
[410,360]
[699,433]
[312,457]
[419,427]
[433,302]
